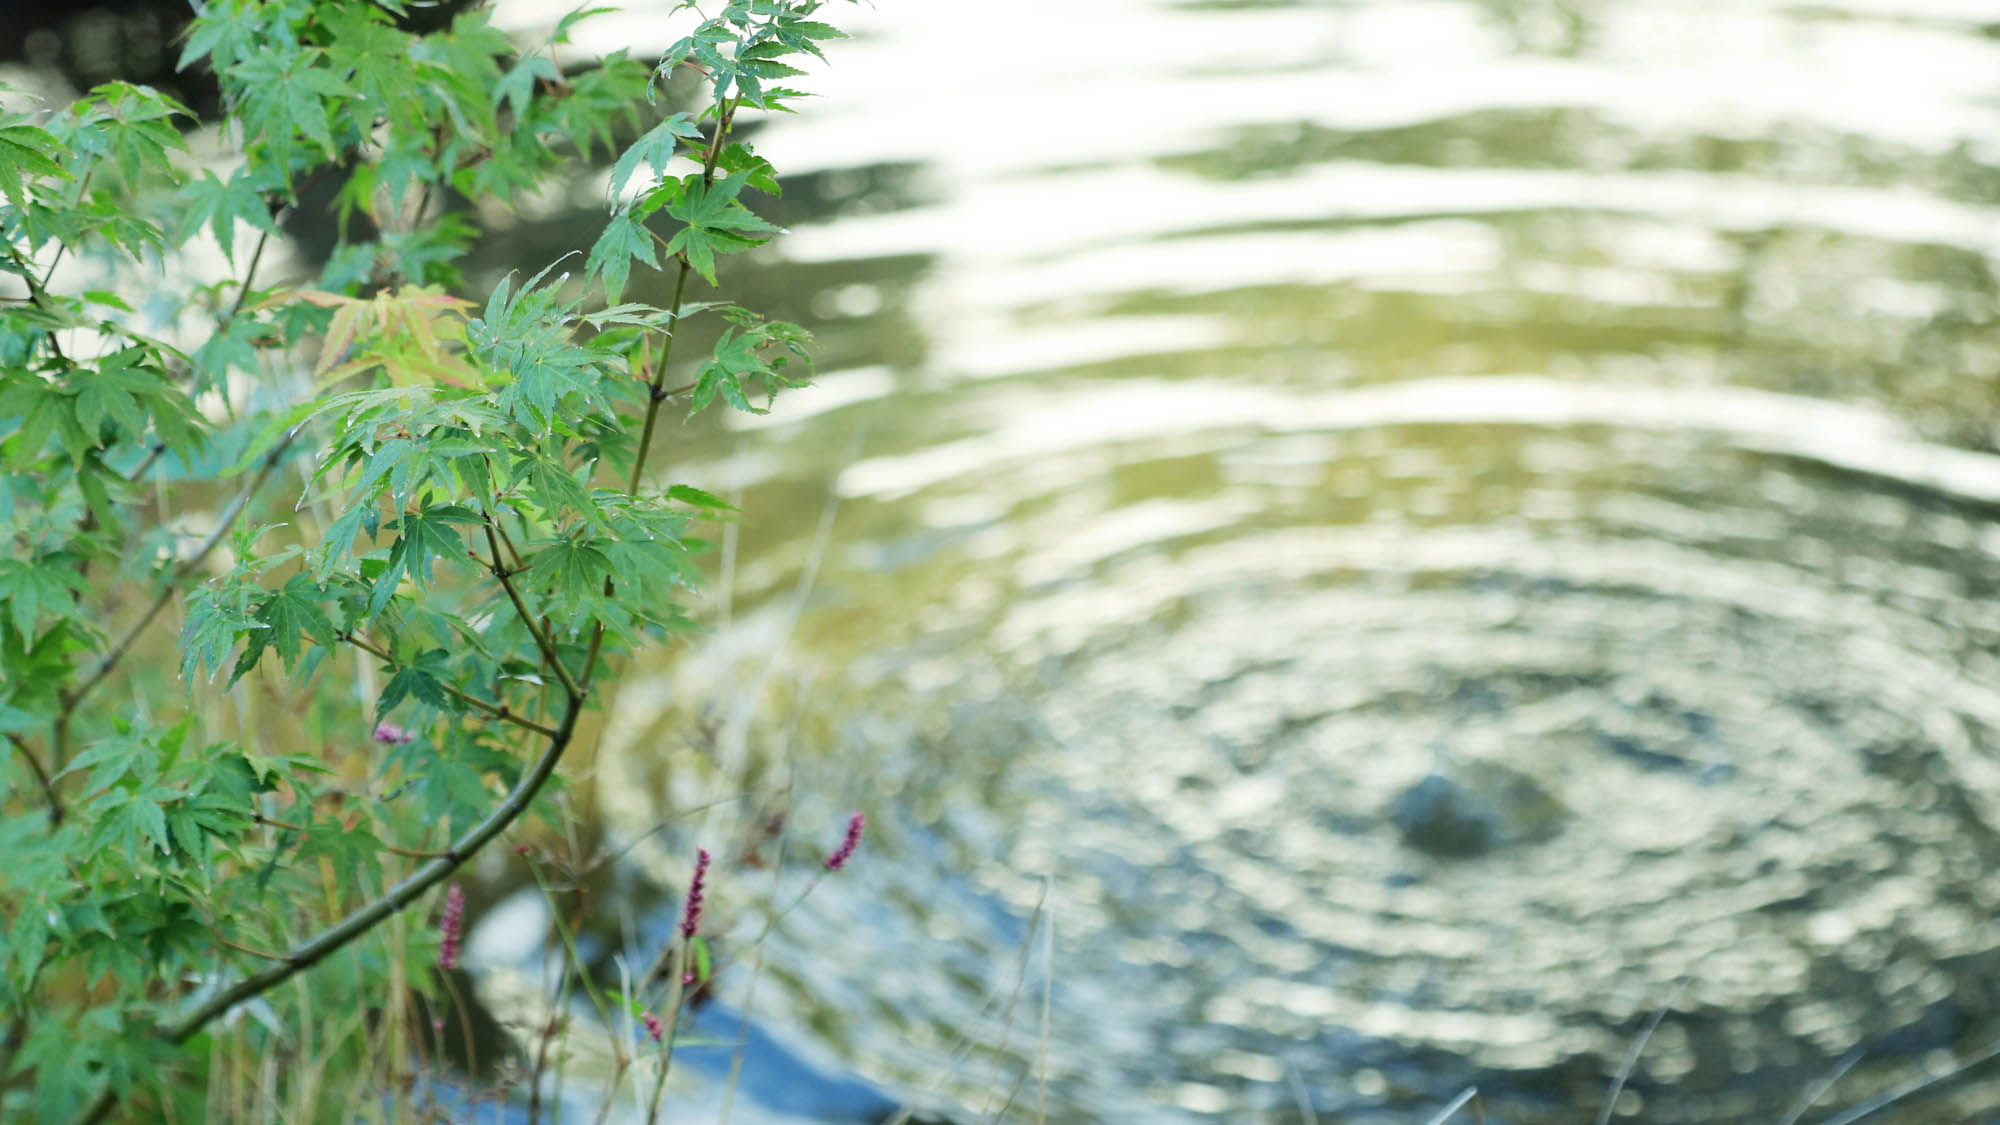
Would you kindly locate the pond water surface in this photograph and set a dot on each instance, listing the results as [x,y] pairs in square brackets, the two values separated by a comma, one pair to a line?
[1350,551]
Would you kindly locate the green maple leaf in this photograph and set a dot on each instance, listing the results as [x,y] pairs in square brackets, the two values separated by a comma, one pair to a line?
[285,95]
[573,570]
[374,57]
[426,535]
[219,204]
[518,87]
[292,612]
[624,239]
[43,587]
[25,153]
[715,220]
[423,680]
[655,147]
[715,223]
[223,33]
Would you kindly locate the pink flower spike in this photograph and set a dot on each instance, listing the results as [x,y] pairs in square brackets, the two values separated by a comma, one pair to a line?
[653,1027]
[839,858]
[448,925]
[392,734]
[691,918]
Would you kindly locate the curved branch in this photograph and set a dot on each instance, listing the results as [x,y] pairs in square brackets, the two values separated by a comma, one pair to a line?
[41,775]
[542,641]
[656,391]
[498,711]
[223,527]
[322,945]
[288,826]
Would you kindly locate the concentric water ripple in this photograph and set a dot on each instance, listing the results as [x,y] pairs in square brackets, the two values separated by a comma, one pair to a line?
[1421,533]
[1386,749]
[1736,788]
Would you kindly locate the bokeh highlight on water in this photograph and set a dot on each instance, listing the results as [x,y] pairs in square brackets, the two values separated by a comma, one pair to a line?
[1418,533]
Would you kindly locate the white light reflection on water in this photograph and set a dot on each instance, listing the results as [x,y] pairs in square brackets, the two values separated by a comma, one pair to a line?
[1306,439]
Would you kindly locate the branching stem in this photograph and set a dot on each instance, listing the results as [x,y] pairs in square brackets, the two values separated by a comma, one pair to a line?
[287,826]
[322,945]
[542,641]
[656,397]
[223,526]
[498,711]
[42,775]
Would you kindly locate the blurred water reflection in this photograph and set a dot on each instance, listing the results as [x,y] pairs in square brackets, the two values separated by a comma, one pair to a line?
[1436,528]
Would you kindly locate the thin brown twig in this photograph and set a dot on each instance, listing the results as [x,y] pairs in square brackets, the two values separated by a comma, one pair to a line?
[249,275]
[41,775]
[544,1038]
[498,711]
[146,463]
[655,395]
[81,187]
[38,292]
[223,526]
[542,642]
[287,826]
[241,948]
[513,552]
[322,945]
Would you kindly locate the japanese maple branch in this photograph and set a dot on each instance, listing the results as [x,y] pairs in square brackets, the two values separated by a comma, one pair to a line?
[74,696]
[41,775]
[249,275]
[82,188]
[152,457]
[327,941]
[656,394]
[498,711]
[288,826]
[38,292]
[322,945]
[542,641]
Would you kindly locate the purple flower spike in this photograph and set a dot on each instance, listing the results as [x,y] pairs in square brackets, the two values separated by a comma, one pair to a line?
[653,1027]
[839,858]
[392,734]
[691,920]
[448,924]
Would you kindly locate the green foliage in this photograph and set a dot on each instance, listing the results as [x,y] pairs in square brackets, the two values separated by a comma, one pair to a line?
[368,493]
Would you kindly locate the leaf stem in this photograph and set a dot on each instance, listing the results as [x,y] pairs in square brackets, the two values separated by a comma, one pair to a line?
[249,275]
[287,826]
[322,945]
[223,526]
[655,395]
[542,642]
[41,775]
[498,711]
